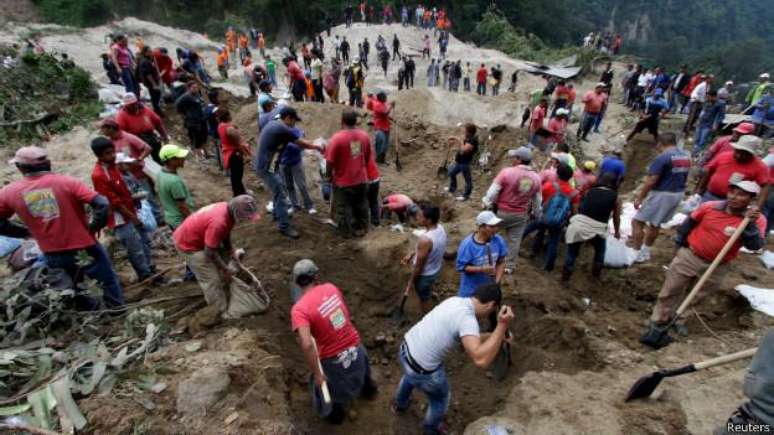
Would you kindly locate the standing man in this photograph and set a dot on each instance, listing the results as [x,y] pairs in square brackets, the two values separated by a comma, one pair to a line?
[710,120]
[537,121]
[345,50]
[593,103]
[395,47]
[660,195]
[191,106]
[481,76]
[427,258]
[381,111]
[467,149]
[175,197]
[317,76]
[700,238]
[273,139]
[52,206]
[123,221]
[135,118]
[679,82]
[515,194]
[204,238]
[740,164]
[347,157]
[410,68]
[497,76]
[149,76]
[724,143]
[234,151]
[297,79]
[426,344]
[320,318]
[697,98]
[481,255]
[756,92]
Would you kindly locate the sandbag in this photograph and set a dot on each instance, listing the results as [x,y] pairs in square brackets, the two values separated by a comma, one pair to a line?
[245,299]
[28,254]
[617,254]
[8,245]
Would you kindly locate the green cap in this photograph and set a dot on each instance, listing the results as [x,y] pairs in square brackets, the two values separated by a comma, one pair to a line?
[170,151]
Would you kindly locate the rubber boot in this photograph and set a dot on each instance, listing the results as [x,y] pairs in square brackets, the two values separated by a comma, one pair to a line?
[566,277]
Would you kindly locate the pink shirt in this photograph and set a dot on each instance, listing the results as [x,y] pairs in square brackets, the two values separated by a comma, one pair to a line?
[519,184]
[398,202]
[538,115]
[594,102]
[208,227]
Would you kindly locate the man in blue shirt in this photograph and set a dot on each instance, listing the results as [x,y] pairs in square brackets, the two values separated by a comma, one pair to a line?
[661,194]
[292,168]
[612,163]
[273,140]
[481,255]
[655,106]
[710,120]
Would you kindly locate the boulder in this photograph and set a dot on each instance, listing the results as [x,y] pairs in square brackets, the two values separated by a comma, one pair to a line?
[197,394]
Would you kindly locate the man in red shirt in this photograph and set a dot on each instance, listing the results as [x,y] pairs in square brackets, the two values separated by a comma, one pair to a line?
[204,237]
[537,121]
[381,110]
[347,158]
[320,318]
[561,95]
[123,219]
[564,174]
[723,143]
[297,79]
[52,208]
[516,194]
[135,118]
[593,103]
[700,238]
[731,166]
[481,76]
[165,65]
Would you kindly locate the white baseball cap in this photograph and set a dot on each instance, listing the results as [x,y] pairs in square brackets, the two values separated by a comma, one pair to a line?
[487,218]
[748,143]
[748,186]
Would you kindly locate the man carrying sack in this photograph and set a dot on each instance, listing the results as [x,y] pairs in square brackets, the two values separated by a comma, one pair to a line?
[202,239]
[701,238]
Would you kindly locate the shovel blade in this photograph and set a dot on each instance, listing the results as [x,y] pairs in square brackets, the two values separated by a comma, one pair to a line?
[442,172]
[397,315]
[644,387]
[502,363]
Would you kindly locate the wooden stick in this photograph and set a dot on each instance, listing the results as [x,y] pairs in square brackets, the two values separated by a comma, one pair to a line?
[725,359]
[324,386]
[149,279]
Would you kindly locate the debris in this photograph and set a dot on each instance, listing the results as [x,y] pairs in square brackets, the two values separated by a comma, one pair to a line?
[194,346]
[231,418]
[204,388]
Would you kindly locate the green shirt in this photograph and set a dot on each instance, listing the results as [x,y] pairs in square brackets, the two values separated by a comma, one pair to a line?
[270,66]
[172,188]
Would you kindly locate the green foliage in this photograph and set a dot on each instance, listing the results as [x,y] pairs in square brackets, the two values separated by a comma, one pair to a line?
[75,12]
[42,84]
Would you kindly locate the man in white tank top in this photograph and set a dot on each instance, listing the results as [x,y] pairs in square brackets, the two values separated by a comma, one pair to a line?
[427,258]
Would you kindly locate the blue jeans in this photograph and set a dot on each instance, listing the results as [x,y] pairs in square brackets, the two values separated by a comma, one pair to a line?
[381,144]
[552,249]
[573,249]
[463,168]
[138,248]
[273,78]
[481,89]
[588,121]
[130,84]
[434,385]
[700,138]
[100,270]
[768,211]
[274,182]
[598,120]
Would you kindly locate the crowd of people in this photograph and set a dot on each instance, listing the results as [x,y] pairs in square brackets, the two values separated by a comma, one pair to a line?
[564,202]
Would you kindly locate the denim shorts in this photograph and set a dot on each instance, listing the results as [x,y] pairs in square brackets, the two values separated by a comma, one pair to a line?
[424,286]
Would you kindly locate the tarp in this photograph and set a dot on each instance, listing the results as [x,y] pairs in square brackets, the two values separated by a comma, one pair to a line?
[561,71]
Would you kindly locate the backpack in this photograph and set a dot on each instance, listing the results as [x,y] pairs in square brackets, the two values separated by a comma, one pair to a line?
[558,208]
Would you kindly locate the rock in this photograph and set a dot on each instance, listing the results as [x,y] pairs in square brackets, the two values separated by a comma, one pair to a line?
[158,387]
[193,346]
[205,387]
[231,418]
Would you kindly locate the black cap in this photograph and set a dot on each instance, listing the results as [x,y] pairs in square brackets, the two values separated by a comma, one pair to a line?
[289,111]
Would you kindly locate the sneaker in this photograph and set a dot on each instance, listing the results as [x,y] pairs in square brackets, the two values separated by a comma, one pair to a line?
[290,232]
[460,198]
[312,211]
[643,255]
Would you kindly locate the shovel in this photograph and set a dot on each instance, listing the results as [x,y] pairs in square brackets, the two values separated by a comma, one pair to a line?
[397,314]
[326,394]
[659,337]
[645,386]
[443,170]
[398,166]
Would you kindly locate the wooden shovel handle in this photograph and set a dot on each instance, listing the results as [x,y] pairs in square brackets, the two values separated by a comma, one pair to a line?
[324,386]
[725,359]
[713,266]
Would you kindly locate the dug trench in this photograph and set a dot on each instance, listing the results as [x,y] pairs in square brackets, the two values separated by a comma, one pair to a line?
[558,331]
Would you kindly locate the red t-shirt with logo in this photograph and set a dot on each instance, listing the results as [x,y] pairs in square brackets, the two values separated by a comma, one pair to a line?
[348,155]
[593,101]
[381,115]
[323,311]
[519,184]
[52,207]
[725,169]
[714,229]
[208,227]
